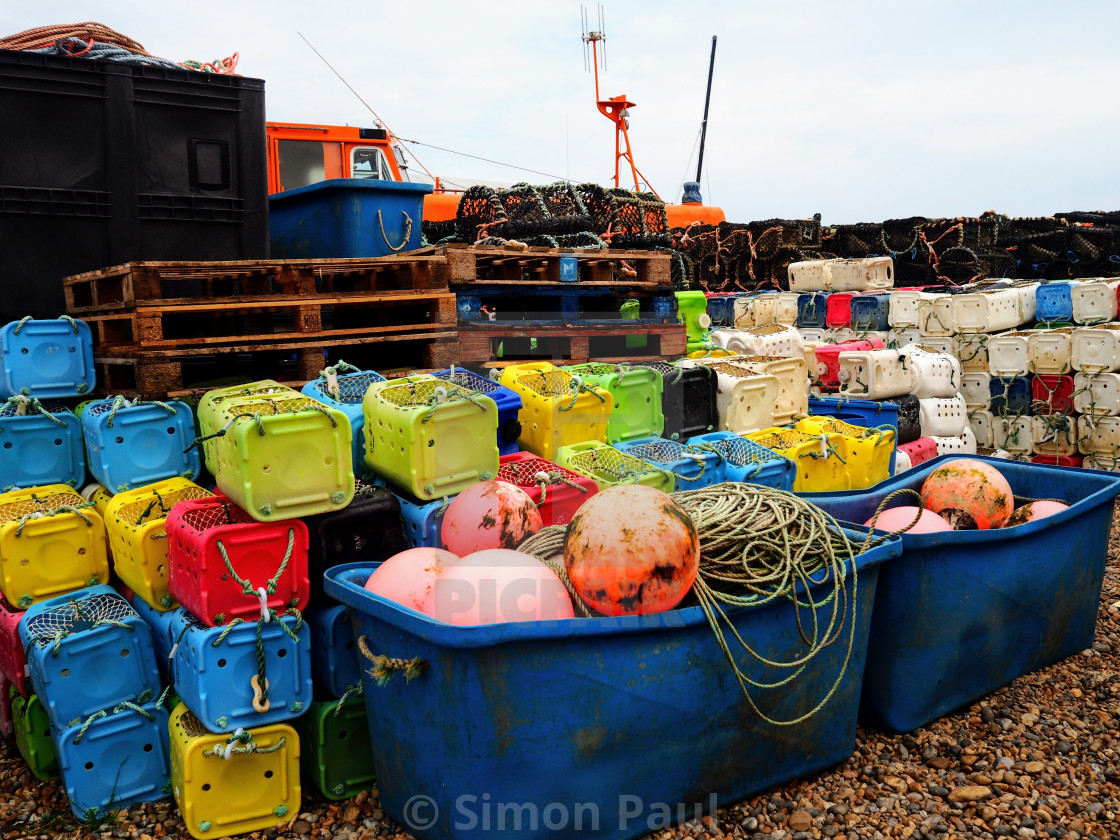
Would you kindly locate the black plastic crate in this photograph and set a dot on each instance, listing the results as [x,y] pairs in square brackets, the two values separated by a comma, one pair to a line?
[688,400]
[103,163]
[909,418]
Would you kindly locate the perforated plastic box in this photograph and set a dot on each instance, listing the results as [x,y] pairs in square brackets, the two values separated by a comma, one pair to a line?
[130,445]
[47,359]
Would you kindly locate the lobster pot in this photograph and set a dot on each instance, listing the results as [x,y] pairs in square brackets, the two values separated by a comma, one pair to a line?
[136,520]
[769,340]
[1012,434]
[936,318]
[32,730]
[868,450]
[976,388]
[1094,301]
[87,651]
[818,459]
[908,308]
[745,460]
[1011,396]
[1094,461]
[549,485]
[838,311]
[1009,354]
[871,312]
[861,275]
[745,400]
[131,445]
[13,660]
[423,521]
[217,671]
[753,311]
[337,756]
[971,350]
[793,382]
[809,276]
[1097,349]
[1049,352]
[909,417]
[691,469]
[901,337]
[507,401]
[334,659]
[1058,460]
[814,334]
[785,308]
[943,417]
[1100,436]
[211,415]
[1097,393]
[901,461]
[159,623]
[211,540]
[812,310]
[919,451]
[688,400]
[118,761]
[932,374]
[608,467]
[1052,394]
[344,393]
[40,443]
[46,359]
[720,312]
[718,337]
[636,412]
[49,544]
[965,444]
[692,309]
[826,362]
[873,374]
[1054,301]
[992,311]
[558,408]
[257,787]
[980,423]
[937,344]
[809,353]
[1053,434]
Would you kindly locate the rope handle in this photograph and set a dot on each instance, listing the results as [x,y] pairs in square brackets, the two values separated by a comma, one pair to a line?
[385,668]
[407,233]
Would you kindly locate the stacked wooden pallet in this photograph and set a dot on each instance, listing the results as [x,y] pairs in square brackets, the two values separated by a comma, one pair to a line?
[171,329]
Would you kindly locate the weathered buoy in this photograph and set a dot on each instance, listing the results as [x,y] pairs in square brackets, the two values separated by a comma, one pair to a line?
[490,514]
[896,518]
[1032,511]
[408,577]
[968,494]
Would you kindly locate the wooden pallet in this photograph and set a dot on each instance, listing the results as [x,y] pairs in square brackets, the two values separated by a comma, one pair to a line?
[174,283]
[573,304]
[243,321]
[480,345]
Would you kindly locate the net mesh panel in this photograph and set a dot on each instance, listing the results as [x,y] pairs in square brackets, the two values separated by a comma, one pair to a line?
[561,199]
[143,511]
[469,381]
[767,329]
[215,515]
[264,390]
[523,473]
[100,408]
[839,427]
[784,439]
[192,727]
[78,616]
[34,503]
[271,407]
[741,452]
[608,464]
[413,394]
[552,383]
[351,387]
[11,409]
[478,207]
[731,369]
[662,451]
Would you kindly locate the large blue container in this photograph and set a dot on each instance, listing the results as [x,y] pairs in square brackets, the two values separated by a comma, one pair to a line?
[869,312]
[1054,302]
[616,695]
[869,413]
[48,359]
[133,445]
[334,659]
[346,217]
[43,446]
[745,460]
[963,613]
[508,401]
[348,399]
[812,310]
[692,469]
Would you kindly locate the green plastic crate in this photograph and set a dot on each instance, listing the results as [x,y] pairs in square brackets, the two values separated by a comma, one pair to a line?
[33,736]
[637,399]
[691,305]
[608,467]
[336,755]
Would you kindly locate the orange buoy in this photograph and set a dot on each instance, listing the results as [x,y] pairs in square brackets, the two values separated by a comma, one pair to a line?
[631,550]
[968,494]
[1033,511]
[490,514]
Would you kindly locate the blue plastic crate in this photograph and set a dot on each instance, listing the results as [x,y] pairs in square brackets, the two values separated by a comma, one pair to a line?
[721,309]
[812,310]
[348,399]
[131,445]
[1054,302]
[1011,396]
[118,760]
[160,624]
[963,613]
[745,460]
[42,446]
[869,413]
[334,659]
[422,520]
[693,469]
[869,312]
[213,671]
[444,734]
[47,359]
[87,651]
[508,401]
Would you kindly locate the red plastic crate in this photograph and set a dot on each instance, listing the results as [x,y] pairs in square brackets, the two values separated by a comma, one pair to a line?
[839,309]
[198,577]
[828,360]
[920,450]
[1055,390]
[1058,460]
[561,500]
[13,659]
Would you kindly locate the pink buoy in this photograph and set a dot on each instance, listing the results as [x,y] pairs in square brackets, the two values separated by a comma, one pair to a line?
[498,585]
[490,514]
[896,518]
[1033,511]
[408,578]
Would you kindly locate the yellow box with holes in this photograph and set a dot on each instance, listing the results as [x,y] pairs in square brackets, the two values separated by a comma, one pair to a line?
[280,455]
[255,788]
[868,450]
[557,408]
[51,543]
[429,437]
[820,459]
[609,467]
[210,409]
[137,540]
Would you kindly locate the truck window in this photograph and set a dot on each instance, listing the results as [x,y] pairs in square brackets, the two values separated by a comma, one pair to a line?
[369,162]
[301,163]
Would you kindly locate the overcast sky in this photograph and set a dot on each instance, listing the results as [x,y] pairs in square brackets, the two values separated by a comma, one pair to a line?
[860,111]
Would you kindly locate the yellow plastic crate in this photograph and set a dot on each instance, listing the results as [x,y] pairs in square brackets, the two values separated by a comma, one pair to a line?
[869,450]
[210,406]
[608,467]
[137,540]
[430,437]
[819,458]
[280,456]
[557,408]
[51,542]
[256,788]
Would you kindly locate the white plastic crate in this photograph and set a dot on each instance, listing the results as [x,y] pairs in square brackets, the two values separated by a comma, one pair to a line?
[976,390]
[873,374]
[1048,351]
[937,344]
[769,340]
[964,444]
[938,320]
[1099,435]
[1094,301]
[908,307]
[995,310]
[943,416]
[869,274]
[1096,393]
[1053,434]
[902,337]
[810,276]
[901,461]
[793,383]
[785,307]
[809,354]
[1008,354]
[971,350]
[932,374]
[1095,349]
[815,334]
[981,423]
[756,311]
[720,337]
[745,401]
[1108,463]
[861,335]
[1012,434]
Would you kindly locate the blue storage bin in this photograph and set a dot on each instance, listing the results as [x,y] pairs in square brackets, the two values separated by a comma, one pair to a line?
[213,669]
[508,401]
[344,217]
[351,389]
[86,651]
[121,759]
[42,446]
[334,660]
[48,359]
[869,312]
[721,309]
[1054,302]
[812,310]
[963,613]
[422,520]
[745,460]
[131,445]
[867,413]
[615,689]
[1011,396]
[693,469]
[159,622]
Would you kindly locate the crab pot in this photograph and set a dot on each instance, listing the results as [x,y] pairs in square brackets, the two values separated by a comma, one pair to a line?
[87,651]
[819,459]
[1054,301]
[203,533]
[251,791]
[838,310]
[129,446]
[812,310]
[745,398]
[721,311]
[13,659]
[608,467]
[210,412]
[450,726]
[637,392]
[32,729]
[216,672]
[549,416]
[870,311]
[347,396]
[919,451]
[1011,397]
[869,452]
[334,660]
[46,359]
[118,761]
[690,306]
[336,755]
[869,413]
[159,621]
[909,417]
[691,469]
[560,499]
[37,449]
[508,402]
[423,521]
[1019,599]
[1058,460]
[745,460]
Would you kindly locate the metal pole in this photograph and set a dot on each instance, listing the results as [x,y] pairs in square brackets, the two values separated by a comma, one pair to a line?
[707,99]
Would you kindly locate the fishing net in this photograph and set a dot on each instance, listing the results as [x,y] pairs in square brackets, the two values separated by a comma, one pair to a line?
[33,505]
[426,392]
[352,387]
[156,505]
[202,518]
[740,452]
[77,616]
[608,465]
[470,381]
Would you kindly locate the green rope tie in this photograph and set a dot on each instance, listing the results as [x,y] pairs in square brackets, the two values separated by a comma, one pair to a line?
[281,810]
[204,826]
[442,394]
[543,479]
[33,405]
[577,386]
[246,738]
[56,511]
[353,690]
[295,707]
[25,601]
[120,402]
[385,668]
[20,324]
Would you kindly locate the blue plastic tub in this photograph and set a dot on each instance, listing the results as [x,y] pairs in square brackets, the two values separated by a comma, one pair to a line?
[692,469]
[1054,302]
[869,312]
[745,460]
[351,389]
[423,521]
[812,310]
[48,359]
[867,413]
[963,613]
[508,402]
[721,309]
[43,446]
[334,659]
[344,217]
[598,719]
[1011,396]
